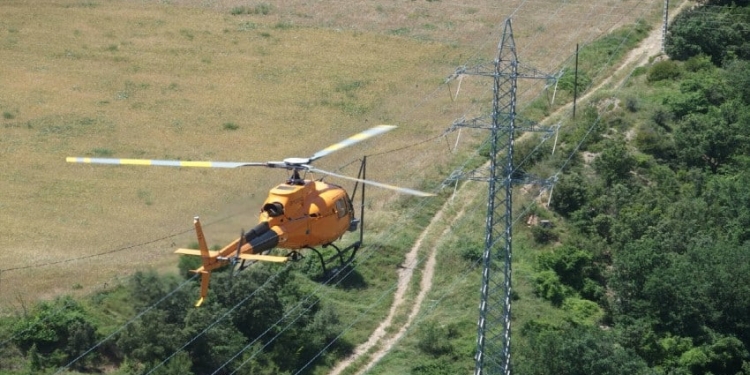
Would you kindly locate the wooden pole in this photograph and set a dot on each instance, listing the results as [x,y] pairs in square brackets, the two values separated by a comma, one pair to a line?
[664,26]
[575,84]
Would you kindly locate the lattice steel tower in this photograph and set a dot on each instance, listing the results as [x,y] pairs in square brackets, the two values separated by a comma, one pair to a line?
[493,336]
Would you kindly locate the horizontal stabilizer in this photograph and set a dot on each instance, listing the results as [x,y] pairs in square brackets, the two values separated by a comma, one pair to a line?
[264,258]
[212,254]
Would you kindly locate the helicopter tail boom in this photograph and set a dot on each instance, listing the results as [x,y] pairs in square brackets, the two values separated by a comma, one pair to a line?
[250,246]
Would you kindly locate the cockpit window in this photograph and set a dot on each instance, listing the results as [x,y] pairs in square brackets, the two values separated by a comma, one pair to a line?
[274,209]
[342,209]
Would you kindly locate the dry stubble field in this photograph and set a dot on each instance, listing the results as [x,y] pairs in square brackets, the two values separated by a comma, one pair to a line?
[190,79]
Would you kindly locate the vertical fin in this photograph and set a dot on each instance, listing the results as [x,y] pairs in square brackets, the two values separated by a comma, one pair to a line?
[207,261]
[201,241]
[205,278]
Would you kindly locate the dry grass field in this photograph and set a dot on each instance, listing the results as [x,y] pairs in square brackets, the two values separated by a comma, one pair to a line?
[234,81]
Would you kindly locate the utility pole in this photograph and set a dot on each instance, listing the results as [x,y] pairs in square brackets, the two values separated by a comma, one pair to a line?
[494,331]
[665,25]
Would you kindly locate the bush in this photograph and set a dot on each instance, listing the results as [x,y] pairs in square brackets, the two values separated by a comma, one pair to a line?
[55,333]
[583,312]
[569,194]
[435,339]
[699,63]
[567,81]
[655,141]
[542,234]
[663,70]
[260,9]
[547,285]
[614,163]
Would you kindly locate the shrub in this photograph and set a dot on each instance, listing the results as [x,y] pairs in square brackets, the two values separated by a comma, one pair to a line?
[547,285]
[67,332]
[230,126]
[435,340]
[542,234]
[663,70]
[567,81]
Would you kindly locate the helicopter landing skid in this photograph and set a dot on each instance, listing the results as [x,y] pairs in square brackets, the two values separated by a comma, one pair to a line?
[340,254]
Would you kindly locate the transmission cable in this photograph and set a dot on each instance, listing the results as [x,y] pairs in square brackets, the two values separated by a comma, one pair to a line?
[219,319]
[112,251]
[129,322]
[340,277]
[572,153]
[186,231]
[285,327]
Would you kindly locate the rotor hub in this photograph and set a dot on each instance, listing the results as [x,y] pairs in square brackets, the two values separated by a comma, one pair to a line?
[297,161]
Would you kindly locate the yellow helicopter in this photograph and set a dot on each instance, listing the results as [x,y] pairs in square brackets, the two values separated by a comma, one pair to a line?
[298,214]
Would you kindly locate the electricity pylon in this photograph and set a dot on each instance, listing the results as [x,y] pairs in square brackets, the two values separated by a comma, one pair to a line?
[493,334]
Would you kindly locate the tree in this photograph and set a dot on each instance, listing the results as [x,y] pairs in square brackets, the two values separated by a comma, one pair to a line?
[151,339]
[578,350]
[255,297]
[724,355]
[180,364]
[59,332]
[707,140]
[214,338]
[715,31]
[569,194]
[738,75]
[614,163]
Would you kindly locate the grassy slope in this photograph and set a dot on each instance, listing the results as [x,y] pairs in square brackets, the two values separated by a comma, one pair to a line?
[130,80]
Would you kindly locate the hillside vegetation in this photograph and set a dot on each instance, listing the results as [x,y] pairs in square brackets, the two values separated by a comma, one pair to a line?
[644,271]
[653,266]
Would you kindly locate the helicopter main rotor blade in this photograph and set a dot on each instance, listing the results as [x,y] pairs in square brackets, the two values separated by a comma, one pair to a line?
[380,129]
[373,183]
[164,163]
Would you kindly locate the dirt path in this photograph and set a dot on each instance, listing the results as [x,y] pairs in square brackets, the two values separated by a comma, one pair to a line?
[405,273]
[639,56]
[651,46]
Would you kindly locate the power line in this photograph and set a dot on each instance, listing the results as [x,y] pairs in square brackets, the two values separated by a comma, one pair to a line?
[395,150]
[222,317]
[340,277]
[129,322]
[112,251]
[573,152]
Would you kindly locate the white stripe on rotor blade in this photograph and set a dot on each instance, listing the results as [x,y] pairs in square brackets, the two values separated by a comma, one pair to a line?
[380,129]
[378,184]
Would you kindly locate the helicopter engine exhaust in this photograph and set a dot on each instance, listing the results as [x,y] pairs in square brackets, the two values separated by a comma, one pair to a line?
[261,238]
